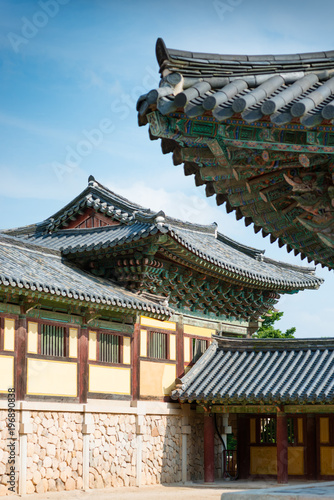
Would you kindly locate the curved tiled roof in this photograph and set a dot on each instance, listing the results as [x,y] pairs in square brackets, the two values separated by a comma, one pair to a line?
[262,371]
[36,268]
[205,242]
[257,267]
[282,87]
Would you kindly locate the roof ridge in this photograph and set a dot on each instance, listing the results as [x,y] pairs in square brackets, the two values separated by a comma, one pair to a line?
[163,53]
[254,252]
[192,226]
[92,182]
[302,269]
[274,343]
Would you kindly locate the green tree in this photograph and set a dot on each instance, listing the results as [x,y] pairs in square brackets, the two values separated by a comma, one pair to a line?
[268,330]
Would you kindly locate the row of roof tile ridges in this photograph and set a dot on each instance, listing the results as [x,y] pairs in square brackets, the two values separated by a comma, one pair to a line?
[39,269]
[295,371]
[105,201]
[244,262]
[249,63]
[86,240]
[285,93]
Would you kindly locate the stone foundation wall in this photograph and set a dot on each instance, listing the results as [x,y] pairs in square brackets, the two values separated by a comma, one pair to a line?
[54,452]
[195,447]
[55,446]
[162,456]
[4,453]
[113,451]
[107,444]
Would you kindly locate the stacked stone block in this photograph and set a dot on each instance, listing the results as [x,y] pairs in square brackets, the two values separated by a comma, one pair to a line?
[112,454]
[54,452]
[162,460]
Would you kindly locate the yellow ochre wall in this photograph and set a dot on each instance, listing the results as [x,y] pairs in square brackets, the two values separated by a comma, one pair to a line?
[263,460]
[6,373]
[32,337]
[327,460]
[109,380]
[155,323]
[156,379]
[126,350]
[198,331]
[324,429]
[9,335]
[51,378]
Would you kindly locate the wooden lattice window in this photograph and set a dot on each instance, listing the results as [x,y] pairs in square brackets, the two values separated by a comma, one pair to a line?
[198,347]
[109,348]
[291,430]
[264,431]
[53,340]
[268,430]
[157,345]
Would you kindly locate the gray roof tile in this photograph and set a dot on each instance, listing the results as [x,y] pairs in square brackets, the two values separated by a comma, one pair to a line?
[262,371]
[36,268]
[214,69]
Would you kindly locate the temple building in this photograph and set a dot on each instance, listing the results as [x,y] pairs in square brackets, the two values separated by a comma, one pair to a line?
[106,308]
[257,131]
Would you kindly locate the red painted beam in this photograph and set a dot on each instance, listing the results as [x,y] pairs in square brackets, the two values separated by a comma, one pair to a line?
[209,448]
[135,362]
[20,365]
[83,365]
[282,448]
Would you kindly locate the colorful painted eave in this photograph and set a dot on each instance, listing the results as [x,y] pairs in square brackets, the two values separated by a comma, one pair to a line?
[258,132]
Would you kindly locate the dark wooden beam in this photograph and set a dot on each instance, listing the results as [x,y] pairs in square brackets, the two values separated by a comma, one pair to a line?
[135,363]
[179,348]
[282,448]
[311,447]
[20,361]
[243,451]
[83,364]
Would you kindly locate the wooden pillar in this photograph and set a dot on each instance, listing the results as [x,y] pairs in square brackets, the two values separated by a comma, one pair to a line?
[209,448]
[135,360]
[311,448]
[243,448]
[83,365]
[21,362]
[179,348]
[282,448]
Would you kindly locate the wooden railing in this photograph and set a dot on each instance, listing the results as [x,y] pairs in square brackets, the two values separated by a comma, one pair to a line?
[230,463]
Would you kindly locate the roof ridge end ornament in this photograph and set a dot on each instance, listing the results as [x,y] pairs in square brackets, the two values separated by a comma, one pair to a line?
[161,51]
[160,221]
[160,217]
[92,181]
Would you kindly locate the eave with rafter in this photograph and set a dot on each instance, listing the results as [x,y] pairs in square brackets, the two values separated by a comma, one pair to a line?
[258,132]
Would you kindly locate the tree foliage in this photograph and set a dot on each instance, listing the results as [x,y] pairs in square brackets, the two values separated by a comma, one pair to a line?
[268,330]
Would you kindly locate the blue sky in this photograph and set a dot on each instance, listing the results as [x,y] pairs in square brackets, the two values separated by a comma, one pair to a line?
[74,69]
